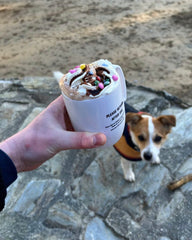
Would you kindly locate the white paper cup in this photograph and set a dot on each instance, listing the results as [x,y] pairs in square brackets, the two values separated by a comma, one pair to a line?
[105,114]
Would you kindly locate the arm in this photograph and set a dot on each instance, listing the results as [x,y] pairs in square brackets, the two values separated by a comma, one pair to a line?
[50,132]
[8,174]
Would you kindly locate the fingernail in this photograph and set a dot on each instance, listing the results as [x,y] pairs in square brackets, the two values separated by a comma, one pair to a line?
[94,140]
[99,139]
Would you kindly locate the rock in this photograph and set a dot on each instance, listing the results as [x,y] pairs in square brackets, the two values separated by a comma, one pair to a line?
[37,194]
[122,223]
[5,84]
[40,84]
[11,113]
[185,169]
[97,230]
[167,211]
[41,89]
[134,205]
[81,194]
[180,133]
[137,98]
[62,216]
[164,238]
[100,181]
[175,156]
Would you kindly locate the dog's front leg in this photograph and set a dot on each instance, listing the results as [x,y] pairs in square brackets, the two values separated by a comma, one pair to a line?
[127,170]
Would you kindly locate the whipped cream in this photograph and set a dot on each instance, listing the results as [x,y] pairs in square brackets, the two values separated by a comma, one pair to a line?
[90,80]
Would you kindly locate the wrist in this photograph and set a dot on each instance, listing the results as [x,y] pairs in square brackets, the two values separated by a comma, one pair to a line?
[13,148]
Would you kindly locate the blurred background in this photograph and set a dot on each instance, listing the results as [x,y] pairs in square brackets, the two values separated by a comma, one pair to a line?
[151,40]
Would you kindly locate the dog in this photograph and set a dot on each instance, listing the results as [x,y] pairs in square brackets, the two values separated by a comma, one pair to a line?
[142,138]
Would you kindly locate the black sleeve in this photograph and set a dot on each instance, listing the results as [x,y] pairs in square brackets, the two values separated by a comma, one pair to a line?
[3,193]
[8,174]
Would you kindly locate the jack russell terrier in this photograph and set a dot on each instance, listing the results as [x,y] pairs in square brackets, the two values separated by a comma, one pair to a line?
[142,138]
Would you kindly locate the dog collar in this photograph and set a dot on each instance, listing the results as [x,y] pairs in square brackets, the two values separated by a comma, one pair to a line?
[125,146]
[128,137]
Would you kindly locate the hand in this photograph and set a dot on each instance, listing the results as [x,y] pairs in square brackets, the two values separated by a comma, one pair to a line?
[50,132]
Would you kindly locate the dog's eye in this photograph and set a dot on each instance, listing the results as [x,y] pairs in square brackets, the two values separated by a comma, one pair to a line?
[157,139]
[141,138]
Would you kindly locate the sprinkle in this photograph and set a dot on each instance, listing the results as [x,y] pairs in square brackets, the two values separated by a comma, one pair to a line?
[115,77]
[98,78]
[96,83]
[90,72]
[101,86]
[104,65]
[106,83]
[82,66]
[72,71]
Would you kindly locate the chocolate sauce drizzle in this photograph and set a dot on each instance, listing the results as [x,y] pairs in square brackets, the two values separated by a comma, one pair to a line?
[85,69]
[100,70]
[91,78]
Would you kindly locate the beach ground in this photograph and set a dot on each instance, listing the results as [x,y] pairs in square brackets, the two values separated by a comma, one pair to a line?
[151,41]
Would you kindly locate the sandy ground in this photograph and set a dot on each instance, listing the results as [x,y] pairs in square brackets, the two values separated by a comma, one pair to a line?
[151,40]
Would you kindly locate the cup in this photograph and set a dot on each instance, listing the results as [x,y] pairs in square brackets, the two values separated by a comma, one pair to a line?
[105,114]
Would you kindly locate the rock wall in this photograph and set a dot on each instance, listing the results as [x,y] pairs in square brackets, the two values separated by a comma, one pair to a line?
[81,194]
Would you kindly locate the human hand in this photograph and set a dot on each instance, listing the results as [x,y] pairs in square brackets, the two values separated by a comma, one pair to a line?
[49,133]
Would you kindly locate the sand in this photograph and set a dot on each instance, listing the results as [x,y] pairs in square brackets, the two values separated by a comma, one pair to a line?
[151,40]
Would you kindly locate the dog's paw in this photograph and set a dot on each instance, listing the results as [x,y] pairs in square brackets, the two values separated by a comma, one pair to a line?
[156,161]
[130,177]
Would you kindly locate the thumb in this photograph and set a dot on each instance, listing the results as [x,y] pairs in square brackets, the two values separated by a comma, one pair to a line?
[81,140]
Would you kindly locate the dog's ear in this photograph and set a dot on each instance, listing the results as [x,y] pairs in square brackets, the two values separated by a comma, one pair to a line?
[168,121]
[133,118]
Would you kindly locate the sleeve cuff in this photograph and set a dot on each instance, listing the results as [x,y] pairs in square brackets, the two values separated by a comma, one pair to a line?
[7,168]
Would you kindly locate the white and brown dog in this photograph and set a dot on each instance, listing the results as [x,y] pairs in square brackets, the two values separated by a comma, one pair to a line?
[142,139]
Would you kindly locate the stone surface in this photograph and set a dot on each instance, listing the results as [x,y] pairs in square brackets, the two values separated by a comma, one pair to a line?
[121,222]
[36,194]
[96,230]
[62,216]
[81,194]
[184,129]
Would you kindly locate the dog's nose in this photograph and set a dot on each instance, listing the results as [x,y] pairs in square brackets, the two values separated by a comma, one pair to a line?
[148,156]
